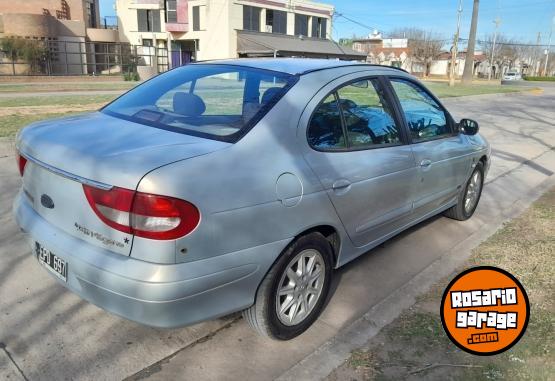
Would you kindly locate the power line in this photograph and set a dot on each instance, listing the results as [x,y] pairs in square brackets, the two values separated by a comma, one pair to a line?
[449,11]
[333,40]
[356,22]
[442,40]
[508,43]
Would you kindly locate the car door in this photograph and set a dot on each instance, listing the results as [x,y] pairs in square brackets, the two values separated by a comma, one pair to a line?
[440,152]
[358,149]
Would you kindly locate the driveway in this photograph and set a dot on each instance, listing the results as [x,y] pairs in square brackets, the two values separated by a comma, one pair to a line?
[47,333]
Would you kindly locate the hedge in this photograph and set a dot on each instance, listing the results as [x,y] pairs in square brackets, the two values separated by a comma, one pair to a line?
[550,79]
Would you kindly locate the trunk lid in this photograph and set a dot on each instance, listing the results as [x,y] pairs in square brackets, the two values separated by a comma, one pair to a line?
[95,148]
[107,149]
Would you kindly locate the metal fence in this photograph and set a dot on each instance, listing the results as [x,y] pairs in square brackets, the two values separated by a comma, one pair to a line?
[109,22]
[59,57]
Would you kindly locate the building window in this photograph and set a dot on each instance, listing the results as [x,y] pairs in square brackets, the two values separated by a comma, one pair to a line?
[91,15]
[148,20]
[319,27]
[301,25]
[196,18]
[147,42]
[276,21]
[251,18]
[199,17]
[171,11]
[269,21]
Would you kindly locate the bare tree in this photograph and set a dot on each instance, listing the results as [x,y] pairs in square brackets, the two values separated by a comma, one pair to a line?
[508,54]
[550,66]
[424,46]
[528,56]
[488,46]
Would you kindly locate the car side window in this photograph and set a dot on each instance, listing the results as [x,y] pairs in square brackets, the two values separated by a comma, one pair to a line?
[325,131]
[425,118]
[368,117]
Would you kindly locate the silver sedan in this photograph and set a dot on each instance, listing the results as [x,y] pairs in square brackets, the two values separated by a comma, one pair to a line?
[240,185]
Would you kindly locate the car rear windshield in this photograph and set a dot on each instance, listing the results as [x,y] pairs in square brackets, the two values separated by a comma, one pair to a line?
[215,101]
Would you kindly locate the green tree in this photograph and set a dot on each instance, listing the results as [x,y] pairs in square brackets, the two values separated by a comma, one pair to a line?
[32,52]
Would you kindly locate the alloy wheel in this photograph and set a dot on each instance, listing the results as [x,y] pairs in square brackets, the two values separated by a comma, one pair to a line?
[300,287]
[473,192]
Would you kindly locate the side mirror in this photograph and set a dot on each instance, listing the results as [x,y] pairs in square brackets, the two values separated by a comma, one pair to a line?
[360,84]
[468,126]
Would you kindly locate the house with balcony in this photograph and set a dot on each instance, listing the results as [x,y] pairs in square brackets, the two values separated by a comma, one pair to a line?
[387,51]
[219,29]
[142,22]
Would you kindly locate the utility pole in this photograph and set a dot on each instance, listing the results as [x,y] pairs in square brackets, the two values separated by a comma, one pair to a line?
[469,61]
[452,71]
[548,47]
[497,21]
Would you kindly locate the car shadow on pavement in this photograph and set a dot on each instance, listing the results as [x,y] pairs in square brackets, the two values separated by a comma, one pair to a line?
[522,160]
[399,237]
[369,260]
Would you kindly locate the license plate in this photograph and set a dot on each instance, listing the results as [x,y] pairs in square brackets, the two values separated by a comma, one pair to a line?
[51,261]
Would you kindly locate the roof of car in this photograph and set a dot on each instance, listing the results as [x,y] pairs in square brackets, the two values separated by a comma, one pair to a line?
[292,65]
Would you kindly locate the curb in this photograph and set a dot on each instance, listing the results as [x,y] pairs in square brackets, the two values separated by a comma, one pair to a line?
[519,93]
[525,83]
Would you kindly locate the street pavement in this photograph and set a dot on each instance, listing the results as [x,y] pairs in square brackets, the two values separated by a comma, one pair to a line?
[47,333]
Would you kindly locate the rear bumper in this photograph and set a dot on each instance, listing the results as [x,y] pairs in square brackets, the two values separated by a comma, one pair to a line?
[159,295]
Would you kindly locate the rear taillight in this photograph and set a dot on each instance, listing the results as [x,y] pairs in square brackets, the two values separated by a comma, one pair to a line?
[21,162]
[142,214]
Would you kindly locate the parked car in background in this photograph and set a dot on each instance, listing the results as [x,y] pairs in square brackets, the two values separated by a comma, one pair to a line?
[512,76]
[240,185]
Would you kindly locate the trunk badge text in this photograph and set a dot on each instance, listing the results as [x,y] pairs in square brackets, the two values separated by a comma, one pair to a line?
[105,240]
[46,201]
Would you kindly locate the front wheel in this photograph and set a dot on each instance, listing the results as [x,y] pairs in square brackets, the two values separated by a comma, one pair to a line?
[294,291]
[469,198]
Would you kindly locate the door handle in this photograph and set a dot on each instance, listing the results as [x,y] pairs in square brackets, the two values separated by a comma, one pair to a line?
[341,184]
[425,163]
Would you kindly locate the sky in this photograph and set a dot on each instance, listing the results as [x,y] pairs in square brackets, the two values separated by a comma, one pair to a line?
[521,20]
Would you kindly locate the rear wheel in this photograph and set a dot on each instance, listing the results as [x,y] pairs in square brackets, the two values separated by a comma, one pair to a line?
[294,291]
[469,198]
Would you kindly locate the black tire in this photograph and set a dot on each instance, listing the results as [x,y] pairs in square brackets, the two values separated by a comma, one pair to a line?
[263,316]
[458,212]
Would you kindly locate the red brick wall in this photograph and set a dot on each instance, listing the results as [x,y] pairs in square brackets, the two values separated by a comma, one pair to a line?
[182,11]
[37,7]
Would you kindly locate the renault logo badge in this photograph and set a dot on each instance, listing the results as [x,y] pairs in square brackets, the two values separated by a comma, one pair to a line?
[46,201]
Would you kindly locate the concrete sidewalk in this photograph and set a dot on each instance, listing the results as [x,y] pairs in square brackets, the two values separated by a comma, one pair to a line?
[51,334]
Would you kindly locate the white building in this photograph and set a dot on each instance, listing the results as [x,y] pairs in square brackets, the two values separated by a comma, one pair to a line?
[386,51]
[216,29]
[441,66]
